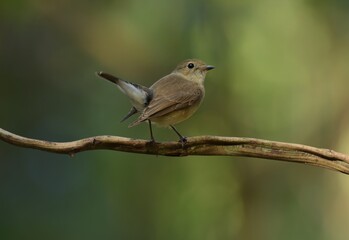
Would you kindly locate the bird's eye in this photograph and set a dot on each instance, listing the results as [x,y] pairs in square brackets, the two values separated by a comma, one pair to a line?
[190,65]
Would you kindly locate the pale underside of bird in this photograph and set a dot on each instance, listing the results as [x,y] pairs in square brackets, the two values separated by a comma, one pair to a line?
[170,100]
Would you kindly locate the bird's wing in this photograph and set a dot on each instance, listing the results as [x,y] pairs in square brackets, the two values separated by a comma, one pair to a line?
[169,96]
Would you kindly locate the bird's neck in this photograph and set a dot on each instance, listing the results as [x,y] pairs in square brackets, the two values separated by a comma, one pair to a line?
[195,77]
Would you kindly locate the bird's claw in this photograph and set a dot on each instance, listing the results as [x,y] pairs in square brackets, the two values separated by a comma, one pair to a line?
[183,141]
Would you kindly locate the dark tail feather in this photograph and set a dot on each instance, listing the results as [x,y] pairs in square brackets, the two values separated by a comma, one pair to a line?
[108,76]
[129,114]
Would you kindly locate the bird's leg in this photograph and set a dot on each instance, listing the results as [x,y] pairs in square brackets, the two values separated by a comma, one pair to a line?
[152,139]
[182,139]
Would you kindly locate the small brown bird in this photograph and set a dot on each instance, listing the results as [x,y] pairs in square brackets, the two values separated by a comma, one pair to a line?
[170,100]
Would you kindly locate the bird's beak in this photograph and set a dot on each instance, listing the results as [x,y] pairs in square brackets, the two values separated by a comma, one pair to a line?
[209,67]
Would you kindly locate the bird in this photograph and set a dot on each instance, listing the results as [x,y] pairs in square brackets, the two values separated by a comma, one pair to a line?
[170,100]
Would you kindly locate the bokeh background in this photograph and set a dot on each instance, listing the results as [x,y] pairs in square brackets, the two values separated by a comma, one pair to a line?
[282,74]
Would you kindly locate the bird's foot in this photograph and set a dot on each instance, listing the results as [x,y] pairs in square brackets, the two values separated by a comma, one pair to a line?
[151,141]
[183,141]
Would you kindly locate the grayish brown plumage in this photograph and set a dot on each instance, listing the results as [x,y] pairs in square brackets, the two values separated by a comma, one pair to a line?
[170,100]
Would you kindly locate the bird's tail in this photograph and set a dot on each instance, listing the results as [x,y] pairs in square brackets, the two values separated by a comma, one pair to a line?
[108,77]
[129,114]
[139,95]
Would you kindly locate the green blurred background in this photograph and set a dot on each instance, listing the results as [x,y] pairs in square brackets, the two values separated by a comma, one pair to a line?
[281,74]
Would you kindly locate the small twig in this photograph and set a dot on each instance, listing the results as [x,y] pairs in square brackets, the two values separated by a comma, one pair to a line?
[202,145]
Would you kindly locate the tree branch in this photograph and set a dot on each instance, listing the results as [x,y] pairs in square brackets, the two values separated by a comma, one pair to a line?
[202,145]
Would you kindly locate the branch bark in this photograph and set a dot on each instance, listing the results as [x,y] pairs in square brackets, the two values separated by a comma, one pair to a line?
[201,145]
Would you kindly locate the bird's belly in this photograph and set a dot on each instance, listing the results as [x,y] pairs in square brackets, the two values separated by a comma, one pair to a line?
[175,116]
